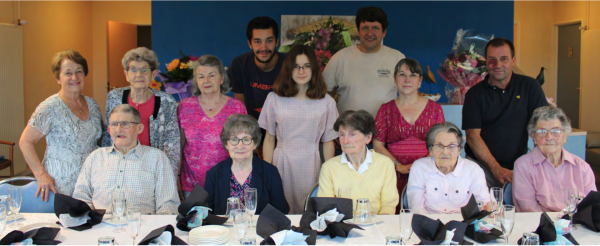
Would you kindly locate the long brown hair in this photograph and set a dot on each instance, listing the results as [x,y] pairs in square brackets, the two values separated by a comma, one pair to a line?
[285,86]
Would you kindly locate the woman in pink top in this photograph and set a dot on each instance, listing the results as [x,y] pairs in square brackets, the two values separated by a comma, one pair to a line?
[542,176]
[201,119]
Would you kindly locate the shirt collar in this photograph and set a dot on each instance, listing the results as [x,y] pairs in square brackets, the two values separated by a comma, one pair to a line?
[458,170]
[138,151]
[512,80]
[538,157]
[368,160]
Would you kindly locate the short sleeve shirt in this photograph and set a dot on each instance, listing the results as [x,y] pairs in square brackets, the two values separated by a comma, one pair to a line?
[255,84]
[502,115]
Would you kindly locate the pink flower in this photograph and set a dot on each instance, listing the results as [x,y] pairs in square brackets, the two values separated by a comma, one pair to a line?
[551,101]
[327,54]
[194,58]
[460,70]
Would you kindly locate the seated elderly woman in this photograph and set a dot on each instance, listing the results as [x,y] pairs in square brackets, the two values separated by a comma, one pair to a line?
[542,176]
[231,177]
[367,173]
[444,182]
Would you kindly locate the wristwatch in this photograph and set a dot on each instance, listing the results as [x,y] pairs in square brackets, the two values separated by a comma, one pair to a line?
[396,163]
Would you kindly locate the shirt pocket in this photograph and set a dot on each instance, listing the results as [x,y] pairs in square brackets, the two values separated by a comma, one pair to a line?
[433,192]
[460,194]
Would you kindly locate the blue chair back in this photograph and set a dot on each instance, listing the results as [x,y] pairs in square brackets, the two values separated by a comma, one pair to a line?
[29,203]
[508,196]
[404,201]
[313,193]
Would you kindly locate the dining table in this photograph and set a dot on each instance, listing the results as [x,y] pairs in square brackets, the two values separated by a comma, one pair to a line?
[374,234]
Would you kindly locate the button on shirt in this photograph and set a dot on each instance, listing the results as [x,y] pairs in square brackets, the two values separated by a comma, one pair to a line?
[144,174]
[432,192]
[538,186]
[363,167]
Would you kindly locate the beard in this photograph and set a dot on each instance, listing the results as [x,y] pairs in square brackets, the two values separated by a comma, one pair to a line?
[268,59]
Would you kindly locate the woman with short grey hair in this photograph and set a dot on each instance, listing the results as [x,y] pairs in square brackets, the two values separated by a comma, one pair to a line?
[201,118]
[444,182]
[243,170]
[158,109]
[537,172]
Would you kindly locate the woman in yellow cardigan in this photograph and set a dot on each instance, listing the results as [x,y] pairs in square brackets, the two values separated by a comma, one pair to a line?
[366,173]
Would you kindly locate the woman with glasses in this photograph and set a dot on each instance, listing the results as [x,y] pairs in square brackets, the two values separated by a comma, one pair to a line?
[158,109]
[300,113]
[402,123]
[242,170]
[444,182]
[201,118]
[71,124]
[542,176]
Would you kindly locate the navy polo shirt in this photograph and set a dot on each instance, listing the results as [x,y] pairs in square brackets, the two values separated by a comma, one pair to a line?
[502,115]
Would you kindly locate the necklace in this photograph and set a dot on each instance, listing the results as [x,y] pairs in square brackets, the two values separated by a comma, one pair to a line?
[207,105]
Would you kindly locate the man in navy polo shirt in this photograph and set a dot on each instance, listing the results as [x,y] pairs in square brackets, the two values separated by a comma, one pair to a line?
[252,74]
[496,112]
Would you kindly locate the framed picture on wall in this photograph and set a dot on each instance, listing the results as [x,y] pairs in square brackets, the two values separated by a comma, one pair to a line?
[292,25]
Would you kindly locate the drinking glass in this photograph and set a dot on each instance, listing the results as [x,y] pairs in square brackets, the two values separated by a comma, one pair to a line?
[134,222]
[393,240]
[14,202]
[406,231]
[571,200]
[3,218]
[240,223]
[248,241]
[362,214]
[119,207]
[251,202]
[233,203]
[344,192]
[496,199]
[506,215]
[106,241]
[530,238]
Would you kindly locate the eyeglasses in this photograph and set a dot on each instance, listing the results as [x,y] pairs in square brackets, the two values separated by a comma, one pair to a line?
[297,68]
[134,70]
[441,147]
[543,132]
[410,76]
[235,141]
[124,124]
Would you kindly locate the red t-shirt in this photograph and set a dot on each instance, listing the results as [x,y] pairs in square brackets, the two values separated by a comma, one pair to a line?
[146,110]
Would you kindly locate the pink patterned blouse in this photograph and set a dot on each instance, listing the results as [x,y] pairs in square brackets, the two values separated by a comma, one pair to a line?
[203,148]
[406,142]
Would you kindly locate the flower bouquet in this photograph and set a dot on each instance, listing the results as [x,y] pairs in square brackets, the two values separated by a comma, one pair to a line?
[179,76]
[464,66]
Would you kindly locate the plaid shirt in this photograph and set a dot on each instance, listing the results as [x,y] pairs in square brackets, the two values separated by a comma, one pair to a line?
[144,173]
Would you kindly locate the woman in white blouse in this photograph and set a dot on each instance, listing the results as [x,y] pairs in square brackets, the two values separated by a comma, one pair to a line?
[444,182]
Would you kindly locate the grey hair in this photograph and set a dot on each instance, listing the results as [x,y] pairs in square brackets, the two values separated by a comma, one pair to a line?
[359,120]
[237,123]
[141,54]
[128,109]
[447,127]
[547,113]
[210,61]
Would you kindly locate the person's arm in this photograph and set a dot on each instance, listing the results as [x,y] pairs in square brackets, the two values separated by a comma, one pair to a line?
[479,186]
[240,96]
[171,138]
[83,187]
[524,193]
[269,147]
[589,181]
[210,185]
[111,102]
[389,194]
[328,150]
[166,197]
[326,187]
[415,189]
[484,155]
[183,142]
[380,148]
[277,195]
[329,74]
[29,138]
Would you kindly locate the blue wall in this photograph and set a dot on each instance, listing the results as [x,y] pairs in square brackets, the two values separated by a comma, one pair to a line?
[421,30]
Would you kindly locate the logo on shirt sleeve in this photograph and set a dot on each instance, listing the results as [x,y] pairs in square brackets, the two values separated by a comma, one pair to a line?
[383,73]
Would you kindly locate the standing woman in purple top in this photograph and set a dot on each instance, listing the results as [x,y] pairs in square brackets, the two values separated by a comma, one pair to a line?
[301,114]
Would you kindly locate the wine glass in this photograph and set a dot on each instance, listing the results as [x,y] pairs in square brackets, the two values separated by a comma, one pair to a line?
[3,218]
[14,202]
[133,222]
[240,223]
[571,201]
[496,199]
[406,231]
[506,215]
[250,202]
[119,208]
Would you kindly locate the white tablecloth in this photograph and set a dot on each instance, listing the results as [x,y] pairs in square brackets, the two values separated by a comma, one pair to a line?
[372,235]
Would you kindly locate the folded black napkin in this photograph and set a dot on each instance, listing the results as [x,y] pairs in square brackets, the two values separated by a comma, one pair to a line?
[588,211]
[197,197]
[433,232]
[547,232]
[271,221]
[471,213]
[76,208]
[158,232]
[40,236]
[320,205]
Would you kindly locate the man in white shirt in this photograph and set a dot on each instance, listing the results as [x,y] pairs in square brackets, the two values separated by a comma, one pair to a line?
[363,73]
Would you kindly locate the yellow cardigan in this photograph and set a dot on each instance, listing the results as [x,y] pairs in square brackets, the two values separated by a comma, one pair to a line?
[378,183]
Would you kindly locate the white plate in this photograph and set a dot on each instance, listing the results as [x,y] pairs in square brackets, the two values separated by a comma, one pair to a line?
[209,241]
[220,238]
[209,232]
[38,225]
[373,221]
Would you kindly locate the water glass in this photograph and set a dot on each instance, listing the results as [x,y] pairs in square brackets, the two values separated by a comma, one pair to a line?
[233,203]
[3,218]
[496,199]
[507,220]
[248,241]
[406,231]
[571,201]
[251,202]
[106,241]
[240,223]
[14,201]
[393,240]
[362,214]
[530,238]
[119,206]
[344,192]
[134,222]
